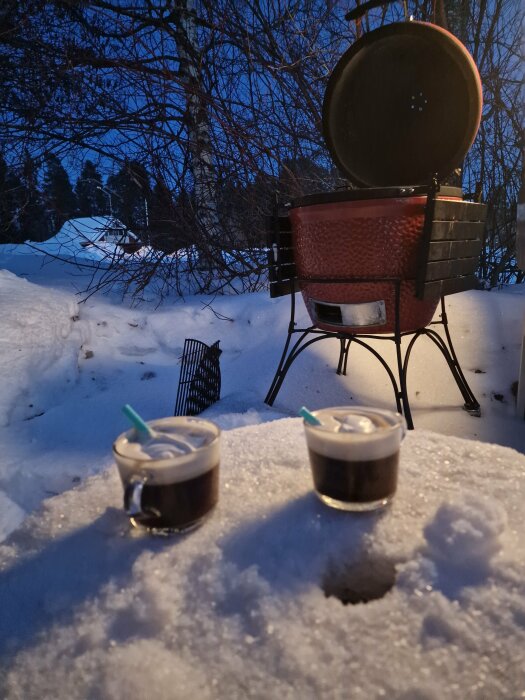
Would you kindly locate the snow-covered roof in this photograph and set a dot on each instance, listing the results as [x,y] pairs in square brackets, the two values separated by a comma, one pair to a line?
[92,228]
[76,234]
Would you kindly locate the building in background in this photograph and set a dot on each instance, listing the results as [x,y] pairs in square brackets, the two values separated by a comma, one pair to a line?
[104,235]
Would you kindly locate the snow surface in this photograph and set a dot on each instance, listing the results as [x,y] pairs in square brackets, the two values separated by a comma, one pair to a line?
[237,608]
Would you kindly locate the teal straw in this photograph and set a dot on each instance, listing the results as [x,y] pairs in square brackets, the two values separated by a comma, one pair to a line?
[309,417]
[143,430]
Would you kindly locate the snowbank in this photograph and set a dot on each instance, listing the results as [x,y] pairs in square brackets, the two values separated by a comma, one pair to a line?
[39,347]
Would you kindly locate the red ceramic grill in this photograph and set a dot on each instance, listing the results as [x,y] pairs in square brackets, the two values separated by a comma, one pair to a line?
[401,110]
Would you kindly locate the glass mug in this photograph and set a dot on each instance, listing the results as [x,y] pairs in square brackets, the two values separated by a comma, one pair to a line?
[354,456]
[171,482]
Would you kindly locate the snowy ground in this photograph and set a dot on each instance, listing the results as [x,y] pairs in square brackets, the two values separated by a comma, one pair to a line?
[67,368]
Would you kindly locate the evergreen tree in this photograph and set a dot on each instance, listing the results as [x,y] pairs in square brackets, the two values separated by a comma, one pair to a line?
[91,199]
[6,213]
[22,214]
[14,199]
[60,198]
[131,195]
[33,224]
[164,226]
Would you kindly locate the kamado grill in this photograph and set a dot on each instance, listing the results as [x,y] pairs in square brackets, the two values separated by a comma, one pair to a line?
[401,110]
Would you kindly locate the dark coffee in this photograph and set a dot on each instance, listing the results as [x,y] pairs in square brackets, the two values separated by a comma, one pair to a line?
[363,481]
[178,505]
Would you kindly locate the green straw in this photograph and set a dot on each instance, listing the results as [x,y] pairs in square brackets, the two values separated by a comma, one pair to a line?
[309,417]
[143,430]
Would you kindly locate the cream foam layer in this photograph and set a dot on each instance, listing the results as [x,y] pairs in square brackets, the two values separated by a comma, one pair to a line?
[192,442]
[328,440]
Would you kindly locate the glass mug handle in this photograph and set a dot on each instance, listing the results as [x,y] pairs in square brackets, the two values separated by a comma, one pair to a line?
[133,500]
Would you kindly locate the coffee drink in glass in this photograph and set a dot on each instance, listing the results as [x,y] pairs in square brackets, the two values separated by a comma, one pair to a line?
[171,481]
[354,456]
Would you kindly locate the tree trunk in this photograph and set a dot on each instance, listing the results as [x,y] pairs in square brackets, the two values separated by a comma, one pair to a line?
[198,124]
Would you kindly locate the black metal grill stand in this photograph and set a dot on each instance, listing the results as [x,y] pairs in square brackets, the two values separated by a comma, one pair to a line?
[399,382]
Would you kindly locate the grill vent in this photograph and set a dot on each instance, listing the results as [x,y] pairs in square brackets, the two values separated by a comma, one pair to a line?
[328,313]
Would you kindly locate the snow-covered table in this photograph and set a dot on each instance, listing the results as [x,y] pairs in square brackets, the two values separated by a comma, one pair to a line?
[238,608]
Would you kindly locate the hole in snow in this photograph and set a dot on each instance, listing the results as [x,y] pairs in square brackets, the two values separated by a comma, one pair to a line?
[369,578]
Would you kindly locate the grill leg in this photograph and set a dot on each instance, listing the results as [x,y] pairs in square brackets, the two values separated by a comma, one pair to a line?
[471,404]
[343,355]
[287,361]
[402,395]
[279,374]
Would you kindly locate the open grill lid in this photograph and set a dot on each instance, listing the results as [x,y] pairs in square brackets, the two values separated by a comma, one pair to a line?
[402,105]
